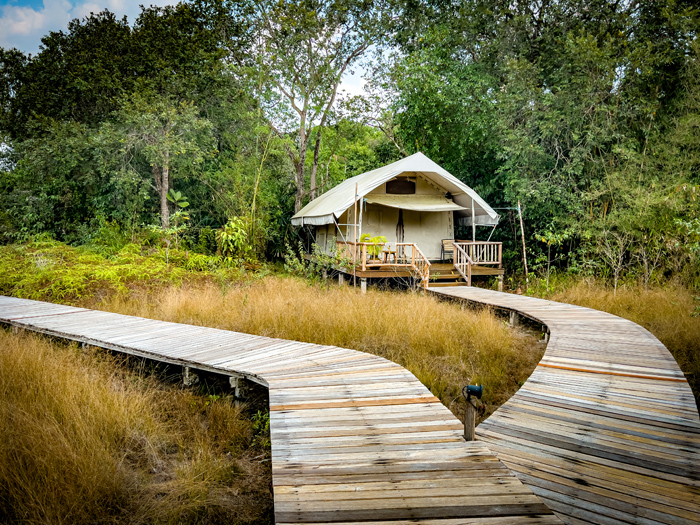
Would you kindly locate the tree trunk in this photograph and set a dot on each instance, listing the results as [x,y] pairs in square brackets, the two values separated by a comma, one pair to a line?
[314,167]
[299,164]
[299,176]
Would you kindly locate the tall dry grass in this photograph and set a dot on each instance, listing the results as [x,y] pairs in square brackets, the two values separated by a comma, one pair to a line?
[444,345]
[671,313]
[85,440]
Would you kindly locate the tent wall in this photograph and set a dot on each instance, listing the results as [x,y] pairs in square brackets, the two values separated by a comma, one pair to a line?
[426,229]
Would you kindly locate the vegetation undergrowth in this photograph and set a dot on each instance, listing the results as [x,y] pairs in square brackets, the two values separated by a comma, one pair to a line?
[87,439]
[48,270]
[671,312]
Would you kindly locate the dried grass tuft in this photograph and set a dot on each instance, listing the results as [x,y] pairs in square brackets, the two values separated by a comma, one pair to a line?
[85,440]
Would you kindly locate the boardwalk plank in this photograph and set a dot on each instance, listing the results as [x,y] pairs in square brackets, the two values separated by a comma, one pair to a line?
[338,418]
[606,429]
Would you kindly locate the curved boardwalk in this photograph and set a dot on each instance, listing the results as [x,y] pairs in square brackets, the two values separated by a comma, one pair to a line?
[606,429]
[355,438]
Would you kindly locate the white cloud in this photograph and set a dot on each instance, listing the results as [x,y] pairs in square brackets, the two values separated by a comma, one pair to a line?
[22,26]
[353,84]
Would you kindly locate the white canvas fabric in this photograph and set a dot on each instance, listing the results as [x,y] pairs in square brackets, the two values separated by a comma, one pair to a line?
[332,204]
[414,202]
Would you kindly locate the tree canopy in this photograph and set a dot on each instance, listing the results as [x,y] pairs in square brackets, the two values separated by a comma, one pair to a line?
[585,112]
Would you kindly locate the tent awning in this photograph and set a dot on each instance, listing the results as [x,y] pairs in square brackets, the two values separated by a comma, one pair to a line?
[414,202]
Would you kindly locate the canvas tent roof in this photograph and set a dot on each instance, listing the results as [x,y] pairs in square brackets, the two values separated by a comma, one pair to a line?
[414,202]
[332,204]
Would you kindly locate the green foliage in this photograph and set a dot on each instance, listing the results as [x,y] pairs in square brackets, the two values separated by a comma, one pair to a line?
[47,270]
[377,243]
[590,122]
[177,199]
[318,265]
[234,241]
[261,429]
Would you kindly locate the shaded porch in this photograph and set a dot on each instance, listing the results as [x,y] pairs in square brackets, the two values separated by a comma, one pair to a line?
[461,261]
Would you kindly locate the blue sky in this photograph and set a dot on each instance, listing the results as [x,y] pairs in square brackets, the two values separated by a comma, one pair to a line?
[24,22]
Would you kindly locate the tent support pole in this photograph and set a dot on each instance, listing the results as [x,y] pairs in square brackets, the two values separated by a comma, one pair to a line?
[491,234]
[473,224]
[354,233]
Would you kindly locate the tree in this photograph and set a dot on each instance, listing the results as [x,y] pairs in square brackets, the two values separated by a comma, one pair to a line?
[171,137]
[302,51]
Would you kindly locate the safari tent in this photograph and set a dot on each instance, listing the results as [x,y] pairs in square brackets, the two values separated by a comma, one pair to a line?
[413,200]
[414,204]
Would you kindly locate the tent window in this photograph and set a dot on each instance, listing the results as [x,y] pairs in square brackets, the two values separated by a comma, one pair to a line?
[401,187]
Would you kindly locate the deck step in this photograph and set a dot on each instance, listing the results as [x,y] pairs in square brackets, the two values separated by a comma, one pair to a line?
[443,274]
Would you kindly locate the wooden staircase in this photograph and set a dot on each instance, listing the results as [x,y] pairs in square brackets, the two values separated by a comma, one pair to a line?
[445,274]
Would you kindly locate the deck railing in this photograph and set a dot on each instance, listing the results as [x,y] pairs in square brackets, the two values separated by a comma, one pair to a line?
[407,255]
[476,253]
[418,261]
[463,263]
[483,252]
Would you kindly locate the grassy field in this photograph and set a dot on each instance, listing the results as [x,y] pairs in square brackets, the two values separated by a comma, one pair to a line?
[90,440]
[85,438]
[444,345]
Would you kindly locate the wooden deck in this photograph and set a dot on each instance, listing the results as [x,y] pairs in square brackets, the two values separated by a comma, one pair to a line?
[355,438]
[606,429]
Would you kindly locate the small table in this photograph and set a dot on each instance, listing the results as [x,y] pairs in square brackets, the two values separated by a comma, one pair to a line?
[388,253]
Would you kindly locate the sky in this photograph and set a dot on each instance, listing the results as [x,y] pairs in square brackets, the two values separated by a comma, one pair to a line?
[24,22]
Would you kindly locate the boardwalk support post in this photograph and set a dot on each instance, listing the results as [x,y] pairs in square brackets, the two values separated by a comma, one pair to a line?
[363,285]
[341,279]
[469,421]
[500,283]
[239,387]
[189,378]
[513,319]
[470,410]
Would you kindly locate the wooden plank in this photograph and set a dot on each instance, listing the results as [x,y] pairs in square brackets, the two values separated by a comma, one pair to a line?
[606,429]
[339,418]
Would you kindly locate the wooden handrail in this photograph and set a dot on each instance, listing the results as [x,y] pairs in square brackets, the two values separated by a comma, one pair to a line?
[482,252]
[462,262]
[418,262]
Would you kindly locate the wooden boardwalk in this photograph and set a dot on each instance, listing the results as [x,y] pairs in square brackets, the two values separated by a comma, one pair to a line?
[355,438]
[606,429]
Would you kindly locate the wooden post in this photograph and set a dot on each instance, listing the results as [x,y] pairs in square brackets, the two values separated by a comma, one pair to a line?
[469,421]
[189,378]
[522,233]
[473,224]
[341,279]
[354,216]
[354,234]
[359,222]
[500,283]
[513,319]
[363,285]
